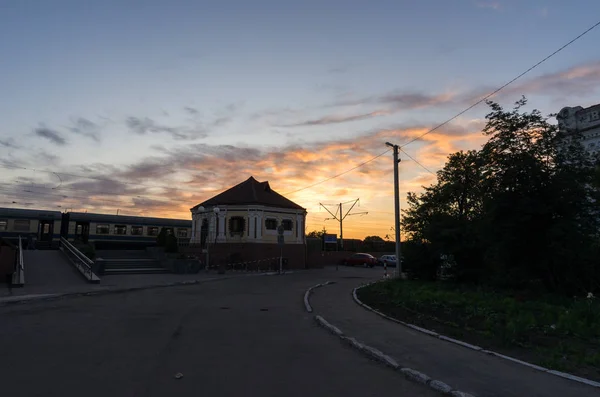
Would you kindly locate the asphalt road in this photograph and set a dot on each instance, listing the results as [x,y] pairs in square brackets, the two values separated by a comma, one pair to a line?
[240,337]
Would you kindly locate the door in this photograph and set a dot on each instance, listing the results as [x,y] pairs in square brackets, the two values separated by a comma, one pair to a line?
[82,231]
[46,230]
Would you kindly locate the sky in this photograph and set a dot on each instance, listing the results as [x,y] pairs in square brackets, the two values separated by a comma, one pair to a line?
[151,107]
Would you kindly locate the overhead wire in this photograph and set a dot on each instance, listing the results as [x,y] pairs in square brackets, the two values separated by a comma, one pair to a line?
[458,114]
[504,85]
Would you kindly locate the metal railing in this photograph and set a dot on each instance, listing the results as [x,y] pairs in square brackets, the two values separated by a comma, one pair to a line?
[82,263]
[19,274]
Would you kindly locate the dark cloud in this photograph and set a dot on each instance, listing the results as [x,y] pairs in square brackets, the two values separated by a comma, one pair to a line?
[191,110]
[52,135]
[45,158]
[399,100]
[85,127]
[143,126]
[9,143]
[337,119]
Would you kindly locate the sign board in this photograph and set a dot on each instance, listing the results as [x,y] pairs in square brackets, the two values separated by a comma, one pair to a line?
[280,240]
[280,230]
[331,239]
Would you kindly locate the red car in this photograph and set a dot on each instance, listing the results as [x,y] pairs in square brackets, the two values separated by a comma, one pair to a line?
[360,259]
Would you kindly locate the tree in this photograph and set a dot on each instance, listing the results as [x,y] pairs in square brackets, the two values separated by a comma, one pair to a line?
[317,234]
[522,210]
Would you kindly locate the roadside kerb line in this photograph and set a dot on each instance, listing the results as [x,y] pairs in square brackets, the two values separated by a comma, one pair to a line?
[378,355]
[588,382]
[116,290]
[307,305]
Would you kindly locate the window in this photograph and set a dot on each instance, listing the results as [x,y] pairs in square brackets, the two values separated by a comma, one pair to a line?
[102,229]
[120,229]
[237,225]
[182,232]
[21,225]
[137,230]
[46,229]
[287,224]
[271,224]
[152,231]
[3,224]
[169,230]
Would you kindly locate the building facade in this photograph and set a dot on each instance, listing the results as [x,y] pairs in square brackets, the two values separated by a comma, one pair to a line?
[243,224]
[585,121]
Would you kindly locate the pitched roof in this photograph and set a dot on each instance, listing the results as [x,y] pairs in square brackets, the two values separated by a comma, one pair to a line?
[248,192]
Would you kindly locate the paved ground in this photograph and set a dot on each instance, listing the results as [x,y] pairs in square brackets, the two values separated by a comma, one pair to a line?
[463,369]
[247,336]
[49,268]
[50,272]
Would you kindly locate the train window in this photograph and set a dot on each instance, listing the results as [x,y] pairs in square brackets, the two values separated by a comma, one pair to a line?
[182,232]
[137,230]
[102,229]
[120,229]
[152,231]
[21,225]
[3,224]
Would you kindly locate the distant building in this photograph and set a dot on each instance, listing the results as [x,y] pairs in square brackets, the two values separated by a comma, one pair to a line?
[585,121]
[242,225]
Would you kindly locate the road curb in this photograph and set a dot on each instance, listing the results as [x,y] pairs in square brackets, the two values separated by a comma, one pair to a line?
[574,378]
[117,290]
[307,305]
[378,355]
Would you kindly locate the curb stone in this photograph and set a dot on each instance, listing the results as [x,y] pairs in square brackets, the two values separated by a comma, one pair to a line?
[455,393]
[378,355]
[307,305]
[54,296]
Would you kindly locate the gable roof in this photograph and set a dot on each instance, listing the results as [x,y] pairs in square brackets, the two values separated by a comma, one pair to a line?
[250,192]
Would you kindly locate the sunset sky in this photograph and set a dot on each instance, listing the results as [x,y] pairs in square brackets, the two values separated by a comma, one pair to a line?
[150,107]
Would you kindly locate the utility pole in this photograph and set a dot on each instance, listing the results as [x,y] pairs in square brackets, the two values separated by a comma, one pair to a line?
[342,216]
[397,208]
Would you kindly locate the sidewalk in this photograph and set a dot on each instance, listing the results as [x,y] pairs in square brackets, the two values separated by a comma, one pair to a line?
[463,369]
[107,284]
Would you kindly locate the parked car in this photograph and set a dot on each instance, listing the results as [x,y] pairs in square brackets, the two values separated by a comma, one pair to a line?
[388,260]
[360,259]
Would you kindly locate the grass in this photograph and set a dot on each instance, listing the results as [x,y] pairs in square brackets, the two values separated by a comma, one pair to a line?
[551,331]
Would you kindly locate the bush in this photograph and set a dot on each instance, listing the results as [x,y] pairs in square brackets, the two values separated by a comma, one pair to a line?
[420,261]
[171,244]
[86,249]
[161,239]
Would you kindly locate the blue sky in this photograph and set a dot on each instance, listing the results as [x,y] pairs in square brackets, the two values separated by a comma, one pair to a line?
[195,96]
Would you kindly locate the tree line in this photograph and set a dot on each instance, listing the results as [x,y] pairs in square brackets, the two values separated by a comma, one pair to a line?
[521,212]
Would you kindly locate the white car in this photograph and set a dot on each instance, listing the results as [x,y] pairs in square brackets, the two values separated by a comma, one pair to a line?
[388,260]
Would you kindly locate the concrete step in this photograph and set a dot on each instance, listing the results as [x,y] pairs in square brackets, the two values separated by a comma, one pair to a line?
[153,270]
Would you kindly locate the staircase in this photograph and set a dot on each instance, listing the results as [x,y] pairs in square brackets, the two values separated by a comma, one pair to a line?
[129,262]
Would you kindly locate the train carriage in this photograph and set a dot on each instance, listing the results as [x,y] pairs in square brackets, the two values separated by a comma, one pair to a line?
[120,231]
[43,226]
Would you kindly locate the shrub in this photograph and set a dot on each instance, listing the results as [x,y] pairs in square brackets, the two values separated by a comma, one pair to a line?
[171,244]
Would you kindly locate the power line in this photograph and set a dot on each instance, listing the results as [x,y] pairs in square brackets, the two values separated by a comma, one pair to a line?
[340,174]
[457,115]
[410,157]
[505,85]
